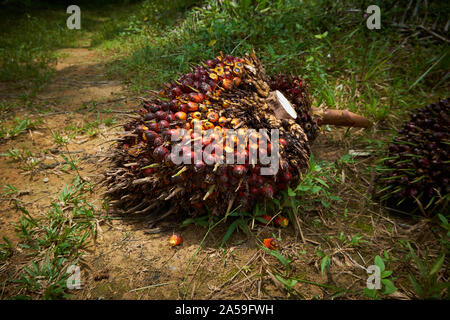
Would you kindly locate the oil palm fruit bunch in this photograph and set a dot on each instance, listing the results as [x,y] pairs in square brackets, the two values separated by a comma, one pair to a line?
[417,173]
[194,118]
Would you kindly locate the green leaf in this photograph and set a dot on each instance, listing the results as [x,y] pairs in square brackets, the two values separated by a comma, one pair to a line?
[437,265]
[371,293]
[287,283]
[417,287]
[324,263]
[286,262]
[380,263]
[322,182]
[389,286]
[443,219]
[291,193]
[229,232]
[386,273]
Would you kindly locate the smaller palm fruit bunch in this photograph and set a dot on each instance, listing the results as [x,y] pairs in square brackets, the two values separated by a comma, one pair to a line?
[295,89]
[416,177]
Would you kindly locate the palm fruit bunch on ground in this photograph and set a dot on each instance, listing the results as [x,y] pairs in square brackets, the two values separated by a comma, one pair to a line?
[227,96]
[417,173]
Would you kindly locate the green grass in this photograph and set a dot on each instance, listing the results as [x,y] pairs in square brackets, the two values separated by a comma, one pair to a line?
[374,72]
[53,242]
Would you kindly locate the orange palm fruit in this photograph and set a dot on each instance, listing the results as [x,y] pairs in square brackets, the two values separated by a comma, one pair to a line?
[192,106]
[212,116]
[227,84]
[271,243]
[208,125]
[235,122]
[202,108]
[281,221]
[222,121]
[196,115]
[175,240]
[236,81]
[180,115]
[267,218]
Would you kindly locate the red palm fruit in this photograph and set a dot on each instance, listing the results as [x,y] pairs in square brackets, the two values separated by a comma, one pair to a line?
[153,126]
[236,81]
[165,106]
[180,115]
[210,63]
[149,135]
[158,141]
[149,116]
[212,116]
[211,159]
[175,240]
[271,243]
[173,105]
[160,152]
[202,107]
[267,218]
[154,108]
[199,166]
[252,180]
[184,107]
[268,191]
[226,104]
[281,221]
[205,87]
[286,176]
[161,115]
[256,169]
[170,117]
[149,171]
[239,171]
[174,134]
[254,191]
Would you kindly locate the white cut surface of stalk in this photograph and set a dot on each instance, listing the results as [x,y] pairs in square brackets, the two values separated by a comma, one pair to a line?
[286,104]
